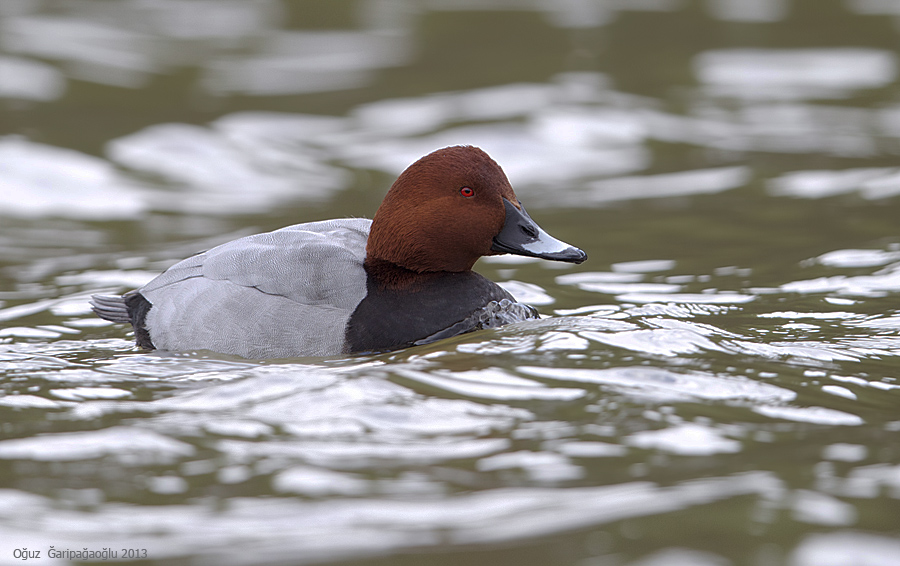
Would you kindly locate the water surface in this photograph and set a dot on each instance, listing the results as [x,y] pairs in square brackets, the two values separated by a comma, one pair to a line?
[719,384]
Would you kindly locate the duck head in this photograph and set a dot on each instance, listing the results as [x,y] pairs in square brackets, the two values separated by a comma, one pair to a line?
[451,207]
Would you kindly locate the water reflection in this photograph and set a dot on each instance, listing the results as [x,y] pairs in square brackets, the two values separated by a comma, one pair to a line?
[28,79]
[568,136]
[794,74]
[41,180]
[749,11]
[728,355]
[301,62]
[869,182]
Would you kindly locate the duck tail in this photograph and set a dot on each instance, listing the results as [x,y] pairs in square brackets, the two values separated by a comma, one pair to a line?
[111,307]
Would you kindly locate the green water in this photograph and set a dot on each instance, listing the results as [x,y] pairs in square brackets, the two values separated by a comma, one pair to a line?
[718,384]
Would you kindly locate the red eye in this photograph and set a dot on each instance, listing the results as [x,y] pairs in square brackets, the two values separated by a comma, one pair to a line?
[467,192]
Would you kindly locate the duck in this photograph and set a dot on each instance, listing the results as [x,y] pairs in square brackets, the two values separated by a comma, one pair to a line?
[351,285]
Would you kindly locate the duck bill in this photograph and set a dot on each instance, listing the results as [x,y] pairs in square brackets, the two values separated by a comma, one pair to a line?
[522,236]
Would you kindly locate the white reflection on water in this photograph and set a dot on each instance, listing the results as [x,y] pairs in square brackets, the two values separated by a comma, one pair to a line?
[569,14]
[92,50]
[878,284]
[215,167]
[818,415]
[795,73]
[846,547]
[528,293]
[681,557]
[659,342]
[30,402]
[541,467]
[821,509]
[206,19]
[725,298]
[41,180]
[124,44]
[318,482]
[858,258]
[890,7]
[490,384]
[30,80]
[683,183]
[67,305]
[84,393]
[644,266]
[132,445]
[689,438]
[527,157]
[664,385]
[844,452]
[870,182]
[301,62]
[756,11]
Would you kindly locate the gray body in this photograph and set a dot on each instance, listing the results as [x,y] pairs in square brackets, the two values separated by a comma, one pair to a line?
[292,291]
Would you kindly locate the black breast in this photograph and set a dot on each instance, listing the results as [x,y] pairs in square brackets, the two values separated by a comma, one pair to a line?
[415,307]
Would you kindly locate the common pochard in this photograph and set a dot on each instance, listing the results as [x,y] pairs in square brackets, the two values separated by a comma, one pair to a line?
[351,285]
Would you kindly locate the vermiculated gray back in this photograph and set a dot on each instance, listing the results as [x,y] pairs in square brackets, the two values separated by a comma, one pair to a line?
[280,294]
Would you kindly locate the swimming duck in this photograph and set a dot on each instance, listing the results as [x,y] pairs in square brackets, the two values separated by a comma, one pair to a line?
[351,285]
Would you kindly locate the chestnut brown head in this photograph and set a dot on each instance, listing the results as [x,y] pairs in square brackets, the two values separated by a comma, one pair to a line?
[451,207]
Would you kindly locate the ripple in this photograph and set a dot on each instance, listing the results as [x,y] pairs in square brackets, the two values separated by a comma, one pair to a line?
[589,449]
[542,467]
[644,266]
[218,170]
[658,342]
[528,293]
[816,415]
[682,183]
[870,182]
[30,79]
[794,73]
[846,547]
[81,393]
[686,298]
[858,258]
[361,454]
[44,181]
[876,285]
[357,526]
[528,157]
[30,402]
[491,384]
[318,482]
[97,52]
[686,439]
[822,509]
[598,277]
[802,350]
[301,62]
[24,332]
[133,445]
[844,452]
[794,315]
[661,384]
[682,556]
[839,391]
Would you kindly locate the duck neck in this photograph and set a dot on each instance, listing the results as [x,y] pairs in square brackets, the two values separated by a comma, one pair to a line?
[389,275]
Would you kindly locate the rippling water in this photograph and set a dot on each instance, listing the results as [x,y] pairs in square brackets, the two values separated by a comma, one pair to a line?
[719,384]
